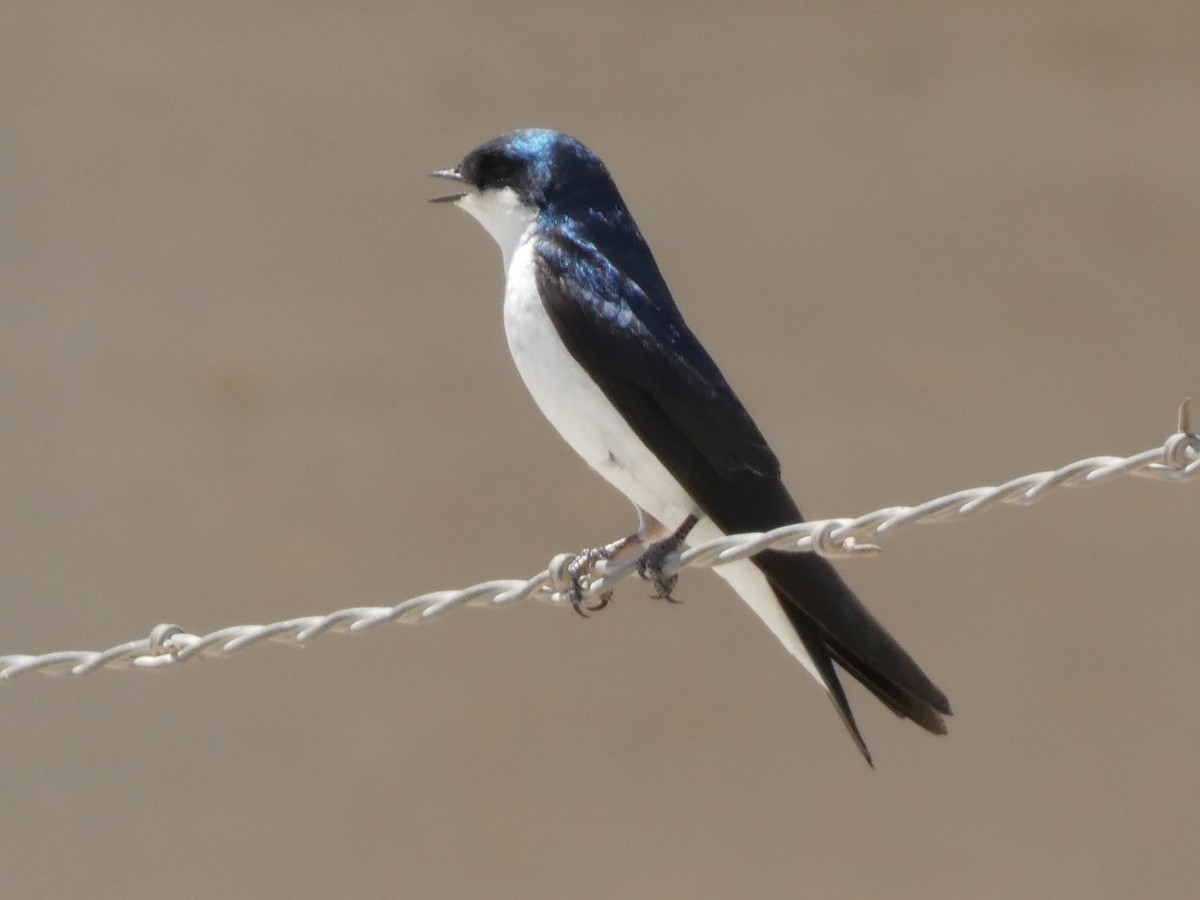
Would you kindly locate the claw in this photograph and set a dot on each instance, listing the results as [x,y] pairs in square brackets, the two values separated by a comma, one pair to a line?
[650,564]
[578,571]
[576,597]
[580,567]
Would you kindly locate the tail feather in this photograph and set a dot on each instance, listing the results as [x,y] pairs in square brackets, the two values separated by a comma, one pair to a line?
[903,705]
[810,636]
[860,645]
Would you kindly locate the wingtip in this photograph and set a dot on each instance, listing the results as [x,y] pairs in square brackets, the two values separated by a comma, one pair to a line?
[852,725]
[867,756]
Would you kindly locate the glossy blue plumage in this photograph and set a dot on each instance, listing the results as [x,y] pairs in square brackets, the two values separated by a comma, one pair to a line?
[580,261]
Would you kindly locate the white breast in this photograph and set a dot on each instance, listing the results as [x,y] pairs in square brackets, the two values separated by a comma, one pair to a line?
[575,406]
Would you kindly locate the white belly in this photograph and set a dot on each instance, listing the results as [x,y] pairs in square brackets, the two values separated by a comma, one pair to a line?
[577,408]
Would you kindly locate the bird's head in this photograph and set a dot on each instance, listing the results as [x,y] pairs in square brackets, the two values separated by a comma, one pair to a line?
[519,176]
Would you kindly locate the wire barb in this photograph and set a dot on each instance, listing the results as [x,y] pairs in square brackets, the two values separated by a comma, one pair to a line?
[1177,460]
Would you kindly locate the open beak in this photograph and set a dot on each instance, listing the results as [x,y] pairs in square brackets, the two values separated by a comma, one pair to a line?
[453,175]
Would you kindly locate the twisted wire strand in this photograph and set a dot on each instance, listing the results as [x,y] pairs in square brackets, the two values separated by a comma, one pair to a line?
[1177,460]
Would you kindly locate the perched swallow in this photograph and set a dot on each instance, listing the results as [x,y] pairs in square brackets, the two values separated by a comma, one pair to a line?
[610,362]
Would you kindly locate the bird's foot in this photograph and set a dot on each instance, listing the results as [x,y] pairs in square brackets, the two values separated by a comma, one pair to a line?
[579,570]
[650,563]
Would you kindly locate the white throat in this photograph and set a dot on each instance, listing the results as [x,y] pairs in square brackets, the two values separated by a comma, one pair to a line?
[503,215]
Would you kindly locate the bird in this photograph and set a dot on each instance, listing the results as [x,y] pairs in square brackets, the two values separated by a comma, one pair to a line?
[603,349]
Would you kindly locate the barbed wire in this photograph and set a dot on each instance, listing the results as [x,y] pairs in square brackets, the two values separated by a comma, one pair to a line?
[1178,459]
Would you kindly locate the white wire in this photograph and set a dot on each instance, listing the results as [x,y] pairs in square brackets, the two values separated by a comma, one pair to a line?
[1177,460]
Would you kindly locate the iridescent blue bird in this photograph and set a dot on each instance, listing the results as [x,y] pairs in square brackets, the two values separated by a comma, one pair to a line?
[608,359]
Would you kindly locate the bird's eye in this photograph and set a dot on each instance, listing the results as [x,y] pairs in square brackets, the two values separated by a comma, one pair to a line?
[496,171]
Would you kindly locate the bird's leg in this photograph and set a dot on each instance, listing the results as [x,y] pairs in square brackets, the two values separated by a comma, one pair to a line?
[649,565]
[582,564]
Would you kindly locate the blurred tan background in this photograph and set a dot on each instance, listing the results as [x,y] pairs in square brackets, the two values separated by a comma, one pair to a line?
[246,373]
